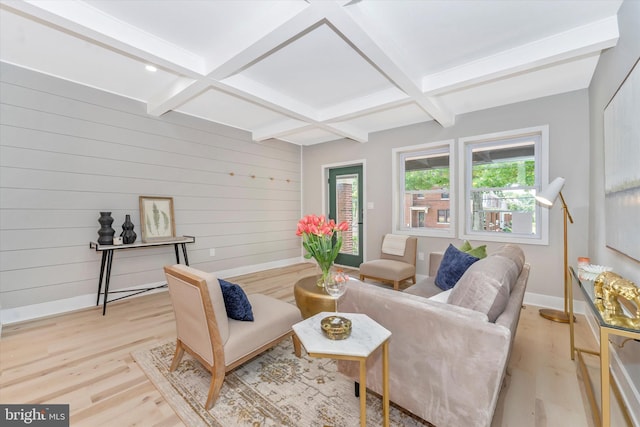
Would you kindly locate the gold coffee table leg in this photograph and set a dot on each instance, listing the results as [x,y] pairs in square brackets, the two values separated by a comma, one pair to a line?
[385,384]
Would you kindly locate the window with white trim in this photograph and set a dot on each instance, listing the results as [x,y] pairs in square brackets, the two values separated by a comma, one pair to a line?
[499,175]
[423,181]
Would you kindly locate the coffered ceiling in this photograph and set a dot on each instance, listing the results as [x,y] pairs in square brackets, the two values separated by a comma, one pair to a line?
[313,71]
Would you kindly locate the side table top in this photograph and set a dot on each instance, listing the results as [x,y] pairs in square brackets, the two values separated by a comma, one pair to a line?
[366,335]
[140,244]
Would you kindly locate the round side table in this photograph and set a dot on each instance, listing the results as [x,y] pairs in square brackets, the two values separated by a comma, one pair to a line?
[310,298]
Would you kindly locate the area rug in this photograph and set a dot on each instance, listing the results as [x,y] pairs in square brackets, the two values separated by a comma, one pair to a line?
[274,389]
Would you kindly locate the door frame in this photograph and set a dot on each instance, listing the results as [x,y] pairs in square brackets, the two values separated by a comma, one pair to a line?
[324,172]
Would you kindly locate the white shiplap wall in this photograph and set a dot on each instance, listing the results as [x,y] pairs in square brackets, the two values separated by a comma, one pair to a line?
[68,152]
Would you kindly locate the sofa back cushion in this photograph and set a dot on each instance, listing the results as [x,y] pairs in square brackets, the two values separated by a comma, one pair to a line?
[486,285]
[514,253]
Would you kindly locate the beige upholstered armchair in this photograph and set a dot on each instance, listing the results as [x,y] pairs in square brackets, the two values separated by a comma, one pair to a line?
[219,343]
[397,261]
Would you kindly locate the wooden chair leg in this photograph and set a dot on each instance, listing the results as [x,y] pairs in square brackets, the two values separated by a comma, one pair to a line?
[177,356]
[361,277]
[396,285]
[296,346]
[217,378]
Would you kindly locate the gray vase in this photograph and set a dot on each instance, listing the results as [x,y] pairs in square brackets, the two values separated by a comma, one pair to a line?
[106,232]
[128,235]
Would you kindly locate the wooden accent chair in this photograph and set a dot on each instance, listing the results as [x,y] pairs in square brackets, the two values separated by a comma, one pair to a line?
[396,263]
[221,344]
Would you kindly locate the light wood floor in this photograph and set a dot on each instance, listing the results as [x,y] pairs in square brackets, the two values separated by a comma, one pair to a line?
[83,359]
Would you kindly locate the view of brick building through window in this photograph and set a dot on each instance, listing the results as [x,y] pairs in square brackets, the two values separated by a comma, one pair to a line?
[429,210]
[346,211]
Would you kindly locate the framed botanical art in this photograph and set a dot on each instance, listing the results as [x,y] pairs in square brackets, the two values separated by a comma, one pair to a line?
[157,221]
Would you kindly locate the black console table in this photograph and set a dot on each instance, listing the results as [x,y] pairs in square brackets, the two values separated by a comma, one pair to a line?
[107,261]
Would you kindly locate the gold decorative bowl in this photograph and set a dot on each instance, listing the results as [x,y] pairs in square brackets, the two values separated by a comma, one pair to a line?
[336,327]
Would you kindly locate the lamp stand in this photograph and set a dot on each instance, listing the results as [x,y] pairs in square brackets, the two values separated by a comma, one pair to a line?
[557,315]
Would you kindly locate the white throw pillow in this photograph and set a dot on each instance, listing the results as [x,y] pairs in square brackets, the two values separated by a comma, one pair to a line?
[442,296]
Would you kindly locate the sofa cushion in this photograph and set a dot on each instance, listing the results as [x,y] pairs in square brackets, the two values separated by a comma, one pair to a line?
[442,297]
[485,286]
[424,288]
[235,301]
[466,246]
[515,254]
[478,251]
[454,264]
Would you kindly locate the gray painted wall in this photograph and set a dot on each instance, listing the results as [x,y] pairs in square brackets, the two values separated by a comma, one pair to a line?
[612,68]
[567,116]
[68,152]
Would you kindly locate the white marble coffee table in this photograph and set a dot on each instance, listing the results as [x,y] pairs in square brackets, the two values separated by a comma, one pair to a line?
[366,337]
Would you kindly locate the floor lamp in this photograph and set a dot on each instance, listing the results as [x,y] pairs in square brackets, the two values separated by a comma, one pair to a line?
[547,198]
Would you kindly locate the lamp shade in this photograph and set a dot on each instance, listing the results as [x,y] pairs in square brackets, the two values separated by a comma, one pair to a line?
[548,196]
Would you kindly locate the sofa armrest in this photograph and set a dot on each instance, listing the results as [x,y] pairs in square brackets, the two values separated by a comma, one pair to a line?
[446,363]
[435,258]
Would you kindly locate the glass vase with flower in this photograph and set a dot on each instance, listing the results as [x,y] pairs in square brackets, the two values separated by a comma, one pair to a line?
[322,239]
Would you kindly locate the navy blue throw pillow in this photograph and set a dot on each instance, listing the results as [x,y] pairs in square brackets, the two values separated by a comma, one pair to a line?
[236,301]
[454,264]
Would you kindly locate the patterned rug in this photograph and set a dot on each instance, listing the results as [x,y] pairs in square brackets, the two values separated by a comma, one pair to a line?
[274,389]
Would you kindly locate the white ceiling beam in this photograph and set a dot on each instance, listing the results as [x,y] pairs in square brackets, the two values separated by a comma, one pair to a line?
[260,94]
[379,101]
[284,34]
[571,44]
[372,51]
[347,131]
[181,90]
[250,91]
[91,24]
[279,130]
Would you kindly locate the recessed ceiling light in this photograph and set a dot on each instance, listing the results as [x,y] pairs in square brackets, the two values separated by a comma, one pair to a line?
[150,68]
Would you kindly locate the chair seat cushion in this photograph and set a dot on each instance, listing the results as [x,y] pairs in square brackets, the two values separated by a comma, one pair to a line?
[272,318]
[387,269]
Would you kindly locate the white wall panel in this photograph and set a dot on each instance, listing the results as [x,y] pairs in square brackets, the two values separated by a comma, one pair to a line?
[68,152]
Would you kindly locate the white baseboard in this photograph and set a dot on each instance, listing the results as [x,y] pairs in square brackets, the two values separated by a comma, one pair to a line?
[547,301]
[247,269]
[51,308]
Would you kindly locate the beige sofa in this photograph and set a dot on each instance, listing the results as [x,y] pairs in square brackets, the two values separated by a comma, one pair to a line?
[447,362]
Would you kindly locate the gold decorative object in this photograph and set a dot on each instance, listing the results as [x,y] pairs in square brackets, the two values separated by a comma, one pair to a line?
[609,288]
[336,327]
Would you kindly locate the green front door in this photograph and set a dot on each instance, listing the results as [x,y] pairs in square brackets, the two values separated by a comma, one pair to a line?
[345,204]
